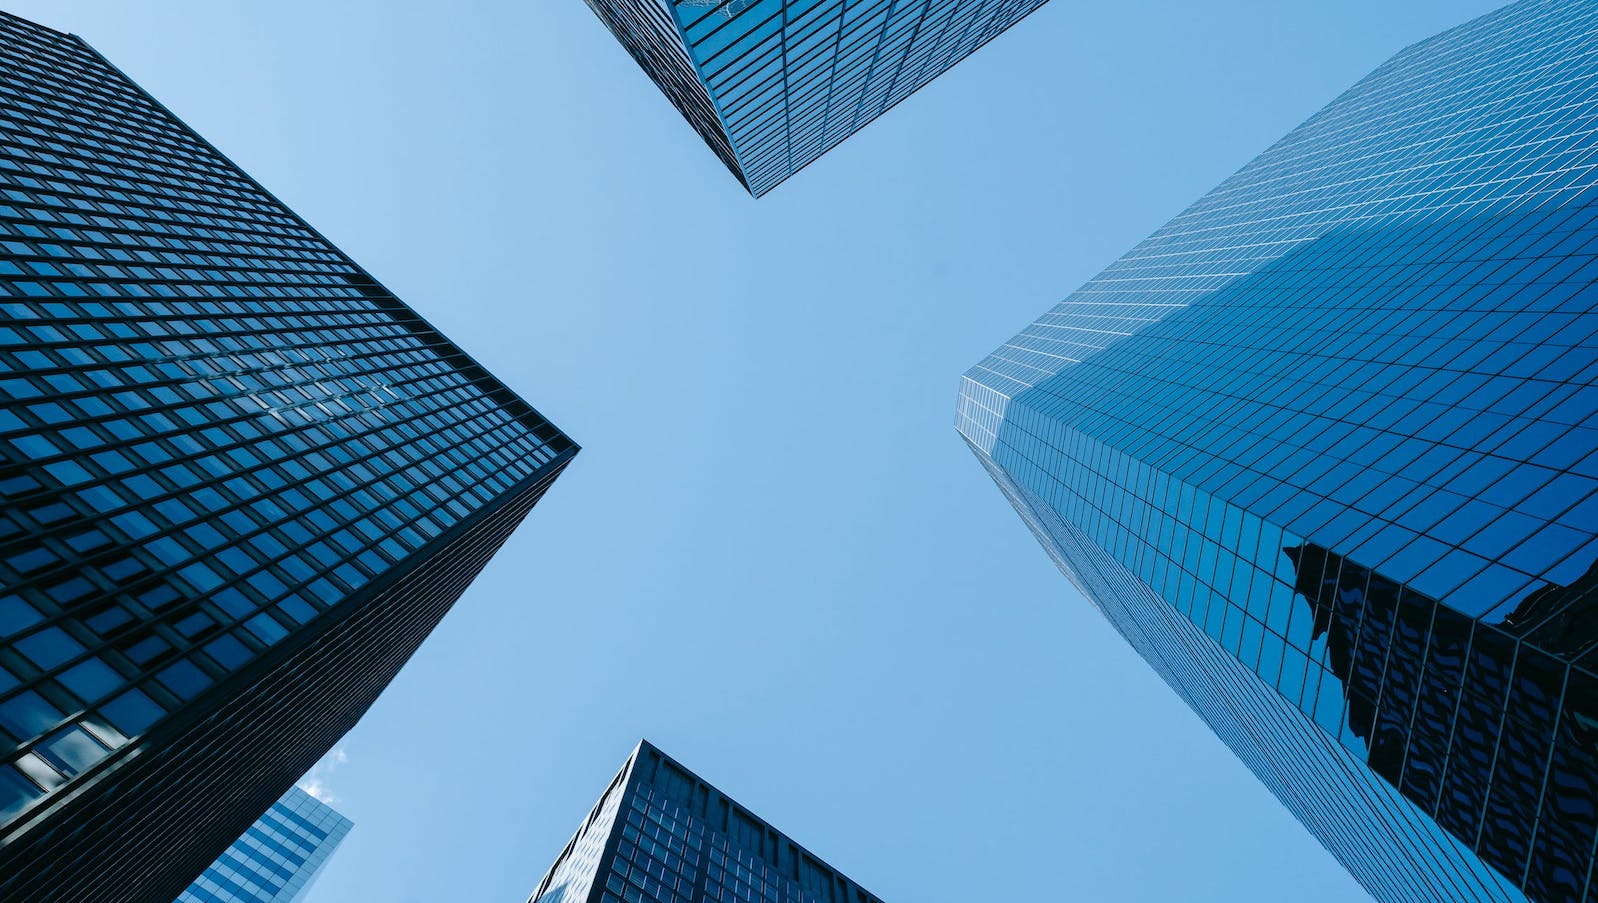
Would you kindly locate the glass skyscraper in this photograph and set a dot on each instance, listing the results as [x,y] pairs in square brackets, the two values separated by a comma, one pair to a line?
[276,860]
[773,84]
[240,482]
[661,834]
[1324,449]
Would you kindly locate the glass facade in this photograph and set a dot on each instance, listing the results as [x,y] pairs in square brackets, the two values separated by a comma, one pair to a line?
[1324,449]
[240,481]
[661,834]
[773,84]
[276,860]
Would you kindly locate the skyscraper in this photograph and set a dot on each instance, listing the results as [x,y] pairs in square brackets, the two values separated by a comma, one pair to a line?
[773,84]
[660,833]
[1324,449]
[276,860]
[241,482]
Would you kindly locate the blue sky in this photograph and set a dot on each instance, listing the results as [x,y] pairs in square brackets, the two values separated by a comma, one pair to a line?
[774,557]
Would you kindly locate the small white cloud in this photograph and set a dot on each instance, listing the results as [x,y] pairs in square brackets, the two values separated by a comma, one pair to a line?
[318,781]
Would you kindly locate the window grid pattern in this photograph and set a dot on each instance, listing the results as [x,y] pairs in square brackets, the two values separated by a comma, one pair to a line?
[215,426]
[277,858]
[788,80]
[1341,415]
[1391,846]
[676,839]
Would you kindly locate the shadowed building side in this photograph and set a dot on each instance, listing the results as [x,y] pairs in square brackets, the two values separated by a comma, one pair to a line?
[1470,721]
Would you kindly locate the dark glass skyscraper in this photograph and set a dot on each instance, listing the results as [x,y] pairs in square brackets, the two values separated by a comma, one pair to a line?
[276,860]
[660,834]
[1324,449]
[773,84]
[241,482]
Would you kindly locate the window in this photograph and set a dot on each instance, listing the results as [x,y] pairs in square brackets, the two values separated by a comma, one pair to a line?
[72,750]
[184,679]
[91,680]
[16,792]
[15,614]
[49,647]
[132,713]
[27,715]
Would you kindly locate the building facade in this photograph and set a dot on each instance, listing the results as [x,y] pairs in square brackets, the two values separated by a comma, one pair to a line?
[773,84]
[276,860]
[240,482]
[1324,449]
[661,834]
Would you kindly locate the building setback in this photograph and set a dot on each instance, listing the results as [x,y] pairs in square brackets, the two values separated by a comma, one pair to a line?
[276,860]
[240,482]
[1324,449]
[661,834]
[771,84]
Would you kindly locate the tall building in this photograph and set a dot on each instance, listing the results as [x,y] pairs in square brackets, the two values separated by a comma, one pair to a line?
[1324,450]
[661,834]
[240,482]
[773,84]
[276,860]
